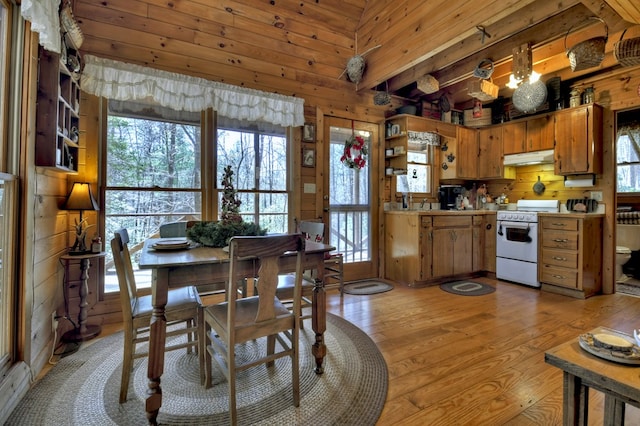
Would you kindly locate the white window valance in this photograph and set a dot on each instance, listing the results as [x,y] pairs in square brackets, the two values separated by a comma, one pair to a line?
[128,82]
[43,15]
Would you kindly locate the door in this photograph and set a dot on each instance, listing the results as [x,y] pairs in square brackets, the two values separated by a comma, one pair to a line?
[350,200]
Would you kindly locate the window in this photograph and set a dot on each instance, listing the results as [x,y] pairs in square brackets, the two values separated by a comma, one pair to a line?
[8,194]
[259,163]
[628,152]
[154,165]
[152,177]
[420,152]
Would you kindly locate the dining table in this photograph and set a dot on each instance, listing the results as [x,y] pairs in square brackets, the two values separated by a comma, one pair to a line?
[201,265]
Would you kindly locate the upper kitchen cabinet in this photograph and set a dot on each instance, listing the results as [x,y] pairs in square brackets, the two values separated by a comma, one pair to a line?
[490,157]
[578,133]
[467,149]
[57,117]
[534,134]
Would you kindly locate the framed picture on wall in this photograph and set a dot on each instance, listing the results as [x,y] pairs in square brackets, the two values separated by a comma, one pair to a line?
[308,157]
[309,132]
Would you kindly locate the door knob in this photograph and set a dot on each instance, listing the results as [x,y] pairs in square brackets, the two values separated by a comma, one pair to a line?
[326,209]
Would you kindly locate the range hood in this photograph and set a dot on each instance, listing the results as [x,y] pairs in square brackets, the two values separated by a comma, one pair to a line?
[527,158]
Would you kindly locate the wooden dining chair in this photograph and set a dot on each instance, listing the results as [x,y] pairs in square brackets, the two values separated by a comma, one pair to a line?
[173,229]
[183,306]
[333,267]
[229,324]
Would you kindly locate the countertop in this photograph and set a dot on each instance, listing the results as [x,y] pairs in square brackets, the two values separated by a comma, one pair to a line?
[485,212]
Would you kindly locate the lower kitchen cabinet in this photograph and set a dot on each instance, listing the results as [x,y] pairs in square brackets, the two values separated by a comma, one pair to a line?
[489,243]
[427,248]
[407,249]
[570,255]
[453,240]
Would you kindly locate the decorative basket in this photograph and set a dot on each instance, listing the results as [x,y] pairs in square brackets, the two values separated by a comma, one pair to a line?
[483,90]
[428,84]
[482,71]
[627,52]
[588,53]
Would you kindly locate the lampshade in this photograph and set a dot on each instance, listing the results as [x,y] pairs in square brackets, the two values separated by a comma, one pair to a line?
[81,198]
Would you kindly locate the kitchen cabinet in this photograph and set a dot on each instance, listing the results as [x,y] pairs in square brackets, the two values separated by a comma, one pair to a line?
[453,237]
[467,149]
[489,254]
[578,140]
[477,246]
[570,254]
[426,247]
[513,137]
[57,114]
[534,134]
[408,248]
[490,157]
[540,133]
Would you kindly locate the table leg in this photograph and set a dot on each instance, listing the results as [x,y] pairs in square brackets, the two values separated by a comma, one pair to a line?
[157,337]
[613,411]
[576,400]
[319,318]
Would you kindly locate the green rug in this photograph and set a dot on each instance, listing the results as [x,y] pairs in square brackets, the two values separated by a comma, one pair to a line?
[367,287]
[83,388]
[467,288]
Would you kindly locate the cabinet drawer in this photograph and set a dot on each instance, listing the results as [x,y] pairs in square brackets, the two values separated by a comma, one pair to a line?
[425,221]
[450,221]
[559,276]
[564,258]
[565,223]
[561,240]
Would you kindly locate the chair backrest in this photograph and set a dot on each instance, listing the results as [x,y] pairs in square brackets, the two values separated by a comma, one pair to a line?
[268,250]
[173,229]
[124,270]
[313,231]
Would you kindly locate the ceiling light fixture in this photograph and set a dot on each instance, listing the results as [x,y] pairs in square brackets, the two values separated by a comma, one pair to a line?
[522,67]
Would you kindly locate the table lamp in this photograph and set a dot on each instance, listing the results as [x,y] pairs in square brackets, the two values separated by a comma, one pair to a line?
[80,198]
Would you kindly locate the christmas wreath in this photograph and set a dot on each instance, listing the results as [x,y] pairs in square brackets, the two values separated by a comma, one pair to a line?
[355,153]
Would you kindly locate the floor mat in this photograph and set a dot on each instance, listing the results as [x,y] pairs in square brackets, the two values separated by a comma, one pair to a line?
[467,288]
[367,287]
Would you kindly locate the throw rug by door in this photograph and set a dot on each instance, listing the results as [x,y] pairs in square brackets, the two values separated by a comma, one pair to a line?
[367,287]
[83,388]
[467,288]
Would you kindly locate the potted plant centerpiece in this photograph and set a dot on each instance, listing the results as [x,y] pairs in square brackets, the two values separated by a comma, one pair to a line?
[218,233]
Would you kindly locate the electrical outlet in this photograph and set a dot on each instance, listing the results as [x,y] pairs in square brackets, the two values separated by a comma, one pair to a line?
[54,322]
[596,195]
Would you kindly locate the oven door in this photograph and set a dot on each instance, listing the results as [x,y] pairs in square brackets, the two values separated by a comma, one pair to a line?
[517,240]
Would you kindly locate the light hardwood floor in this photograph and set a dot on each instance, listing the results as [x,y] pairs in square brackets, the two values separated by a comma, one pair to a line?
[479,360]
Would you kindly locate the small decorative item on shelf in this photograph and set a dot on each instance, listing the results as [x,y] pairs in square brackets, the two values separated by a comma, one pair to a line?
[96,244]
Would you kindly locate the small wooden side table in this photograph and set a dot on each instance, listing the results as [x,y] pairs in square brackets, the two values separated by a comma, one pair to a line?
[84,331]
[620,383]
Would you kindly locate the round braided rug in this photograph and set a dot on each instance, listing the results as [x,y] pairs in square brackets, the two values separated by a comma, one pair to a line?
[83,389]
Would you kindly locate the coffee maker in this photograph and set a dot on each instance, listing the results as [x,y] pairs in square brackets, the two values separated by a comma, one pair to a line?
[447,195]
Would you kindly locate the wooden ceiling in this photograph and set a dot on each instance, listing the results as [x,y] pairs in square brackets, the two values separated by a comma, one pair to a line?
[301,47]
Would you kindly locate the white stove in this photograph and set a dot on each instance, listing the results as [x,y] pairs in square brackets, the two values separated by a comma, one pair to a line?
[517,241]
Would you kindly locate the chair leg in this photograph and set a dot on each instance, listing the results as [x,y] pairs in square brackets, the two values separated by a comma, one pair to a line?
[201,343]
[207,355]
[127,364]
[231,366]
[190,339]
[295,367]
[271,347]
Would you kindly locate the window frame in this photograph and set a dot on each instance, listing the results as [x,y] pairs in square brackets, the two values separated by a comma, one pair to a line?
[210,188]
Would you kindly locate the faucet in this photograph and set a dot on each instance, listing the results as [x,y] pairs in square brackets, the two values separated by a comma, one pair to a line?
[424,200]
